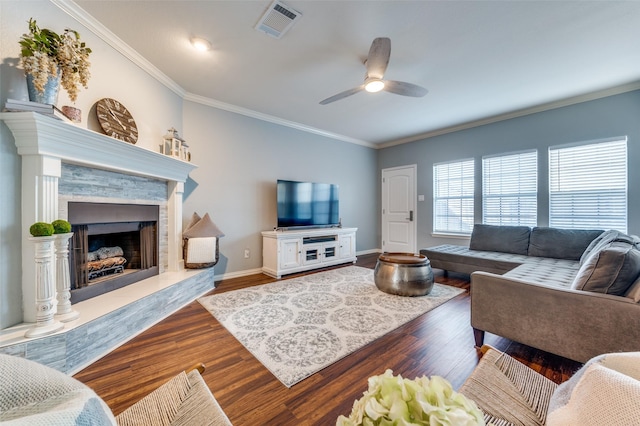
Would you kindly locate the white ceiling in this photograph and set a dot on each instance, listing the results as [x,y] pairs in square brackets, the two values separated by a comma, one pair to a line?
[479,59]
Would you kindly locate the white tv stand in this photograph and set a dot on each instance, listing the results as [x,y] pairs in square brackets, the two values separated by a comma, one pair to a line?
[290,251]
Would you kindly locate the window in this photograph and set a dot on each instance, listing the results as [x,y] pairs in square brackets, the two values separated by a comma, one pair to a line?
[453,197]
[588,185]
[510,189]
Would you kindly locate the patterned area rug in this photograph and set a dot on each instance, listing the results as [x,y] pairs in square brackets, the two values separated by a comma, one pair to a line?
[299,326]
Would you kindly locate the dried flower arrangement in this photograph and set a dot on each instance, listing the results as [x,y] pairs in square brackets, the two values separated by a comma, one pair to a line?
[45,54]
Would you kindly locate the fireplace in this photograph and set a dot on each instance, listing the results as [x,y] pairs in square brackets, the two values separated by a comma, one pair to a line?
[62,164]
[101,169]
[113,245]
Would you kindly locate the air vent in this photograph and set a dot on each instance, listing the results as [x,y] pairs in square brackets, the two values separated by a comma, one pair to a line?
[277,20]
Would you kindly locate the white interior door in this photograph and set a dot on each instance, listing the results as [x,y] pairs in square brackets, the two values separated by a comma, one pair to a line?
[399,209]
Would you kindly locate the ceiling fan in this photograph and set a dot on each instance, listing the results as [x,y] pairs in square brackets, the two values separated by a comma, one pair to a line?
[376,65]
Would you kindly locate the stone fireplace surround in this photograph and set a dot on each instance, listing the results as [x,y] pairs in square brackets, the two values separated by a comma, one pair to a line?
[62,163]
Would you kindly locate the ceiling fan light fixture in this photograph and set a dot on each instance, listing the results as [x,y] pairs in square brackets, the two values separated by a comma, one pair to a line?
[200,44]
[376,64]
[373,86]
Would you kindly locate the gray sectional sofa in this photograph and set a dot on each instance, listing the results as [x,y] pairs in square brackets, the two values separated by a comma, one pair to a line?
[574,293]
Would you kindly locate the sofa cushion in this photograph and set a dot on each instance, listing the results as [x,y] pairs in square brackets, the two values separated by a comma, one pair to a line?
[548,272]
[611,270]
[505,239]
[560,243]
[602,240]
[461,259]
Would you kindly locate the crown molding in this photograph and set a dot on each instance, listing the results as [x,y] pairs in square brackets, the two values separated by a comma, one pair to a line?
[127,51]
[629,87]
[93,25]
[79,14]
[271,119]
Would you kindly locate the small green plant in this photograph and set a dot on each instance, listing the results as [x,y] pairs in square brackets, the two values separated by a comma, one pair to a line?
[61,226]
[41,229]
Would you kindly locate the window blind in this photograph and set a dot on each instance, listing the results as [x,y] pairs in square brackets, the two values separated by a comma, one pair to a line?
[588,185]
[453,188]
[510,189]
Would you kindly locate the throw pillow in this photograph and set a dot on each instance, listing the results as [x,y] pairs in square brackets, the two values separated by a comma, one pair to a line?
[611,270]
[602,240]
[201,250]
[195,218]
[204,228]
[34,394]
[504,239]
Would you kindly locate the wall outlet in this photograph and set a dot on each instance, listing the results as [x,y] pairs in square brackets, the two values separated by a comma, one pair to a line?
[247,253]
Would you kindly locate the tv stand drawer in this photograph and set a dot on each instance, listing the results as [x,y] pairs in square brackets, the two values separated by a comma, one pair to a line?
[320,239]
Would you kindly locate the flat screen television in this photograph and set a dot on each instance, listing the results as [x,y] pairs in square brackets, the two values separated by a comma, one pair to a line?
[307,204]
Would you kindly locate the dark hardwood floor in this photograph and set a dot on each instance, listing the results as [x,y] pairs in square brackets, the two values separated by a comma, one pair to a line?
[439,342]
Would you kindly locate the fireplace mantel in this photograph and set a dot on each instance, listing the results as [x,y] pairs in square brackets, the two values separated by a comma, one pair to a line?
[44,143]
[37,134]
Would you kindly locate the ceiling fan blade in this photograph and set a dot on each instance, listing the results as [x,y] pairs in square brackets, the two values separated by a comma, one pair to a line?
[404,89]
[342,95]
[378,58]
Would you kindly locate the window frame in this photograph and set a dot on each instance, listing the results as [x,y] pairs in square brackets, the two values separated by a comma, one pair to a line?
[577,198]
[528,180]
[464,198]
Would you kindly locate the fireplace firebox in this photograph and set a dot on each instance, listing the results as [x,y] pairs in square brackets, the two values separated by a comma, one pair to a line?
[113,245]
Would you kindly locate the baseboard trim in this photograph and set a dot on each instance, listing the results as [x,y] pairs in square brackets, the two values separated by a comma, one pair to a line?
[237,274]
[371,251]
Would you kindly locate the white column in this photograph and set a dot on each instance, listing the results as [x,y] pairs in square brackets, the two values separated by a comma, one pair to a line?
[45,290]
[174,207]
[63,280]
[40,175]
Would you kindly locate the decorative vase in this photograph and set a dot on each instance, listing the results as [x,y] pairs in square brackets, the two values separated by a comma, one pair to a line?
[51,89]
[63,280]
[45,289]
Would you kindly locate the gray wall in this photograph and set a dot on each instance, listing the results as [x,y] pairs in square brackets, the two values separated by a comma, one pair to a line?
[617,115]
[239,160]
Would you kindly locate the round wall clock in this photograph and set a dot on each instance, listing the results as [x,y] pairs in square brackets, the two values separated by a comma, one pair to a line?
[116,120]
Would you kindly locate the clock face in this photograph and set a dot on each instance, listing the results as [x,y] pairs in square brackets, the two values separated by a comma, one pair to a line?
[116,121]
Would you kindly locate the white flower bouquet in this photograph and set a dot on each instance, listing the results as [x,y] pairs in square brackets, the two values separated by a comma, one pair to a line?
[395,401]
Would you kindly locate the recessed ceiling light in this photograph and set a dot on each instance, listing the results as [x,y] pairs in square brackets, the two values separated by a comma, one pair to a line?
[201,44]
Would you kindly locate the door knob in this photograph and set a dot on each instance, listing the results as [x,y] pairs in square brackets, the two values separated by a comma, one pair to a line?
[410,218]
